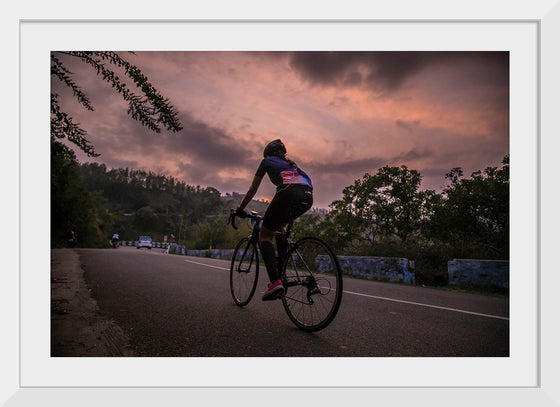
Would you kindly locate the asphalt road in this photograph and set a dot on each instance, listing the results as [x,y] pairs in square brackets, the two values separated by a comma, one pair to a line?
[171,305]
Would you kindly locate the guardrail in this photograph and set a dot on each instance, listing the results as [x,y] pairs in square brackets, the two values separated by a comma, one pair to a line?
[159,245]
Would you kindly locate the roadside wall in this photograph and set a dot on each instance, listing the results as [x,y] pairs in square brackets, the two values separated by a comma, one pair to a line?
[392,269]
[481,273]
[373,268]
[226,254]
[462,272]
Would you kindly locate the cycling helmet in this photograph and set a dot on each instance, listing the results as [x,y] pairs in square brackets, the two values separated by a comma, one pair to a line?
[275,148]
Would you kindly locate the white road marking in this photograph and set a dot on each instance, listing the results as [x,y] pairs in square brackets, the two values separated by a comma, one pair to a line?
[208,265]
[389,299]
[429,306]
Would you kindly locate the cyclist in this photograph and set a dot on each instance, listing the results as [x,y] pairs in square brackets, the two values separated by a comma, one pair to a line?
[72,239]
[115,239]
[294,197]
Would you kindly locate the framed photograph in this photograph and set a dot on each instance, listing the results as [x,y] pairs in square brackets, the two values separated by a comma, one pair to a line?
[528,34]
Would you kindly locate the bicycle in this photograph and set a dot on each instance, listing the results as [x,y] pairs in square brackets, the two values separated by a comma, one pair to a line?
[310,273]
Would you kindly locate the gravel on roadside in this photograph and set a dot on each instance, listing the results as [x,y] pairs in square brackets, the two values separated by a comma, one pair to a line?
[77,327]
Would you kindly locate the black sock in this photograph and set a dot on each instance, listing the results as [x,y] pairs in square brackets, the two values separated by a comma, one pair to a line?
[282,246]
[269,258]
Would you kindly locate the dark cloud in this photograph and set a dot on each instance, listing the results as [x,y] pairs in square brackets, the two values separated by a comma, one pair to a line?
[339,101]
[391,69]
[210,145]
[346,167]
[409,125]
[369,164]
[411,156]
[325,67]
[388,70]
[209,154]
[352,79]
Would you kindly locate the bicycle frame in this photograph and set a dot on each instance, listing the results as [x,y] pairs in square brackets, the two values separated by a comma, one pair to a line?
[243,256]
[310,282]
[254,239]
[302,272]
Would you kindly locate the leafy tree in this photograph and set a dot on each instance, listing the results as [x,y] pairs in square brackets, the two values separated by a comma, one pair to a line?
[474,217]
[145,219]
[72,206]
[150,108]
[343,229]
[208,234]
[388,204]
[309,224]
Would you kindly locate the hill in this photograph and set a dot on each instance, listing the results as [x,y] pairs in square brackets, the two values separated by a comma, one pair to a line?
[135,202]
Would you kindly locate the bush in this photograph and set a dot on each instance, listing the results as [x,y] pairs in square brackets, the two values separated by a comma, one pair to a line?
[431,264]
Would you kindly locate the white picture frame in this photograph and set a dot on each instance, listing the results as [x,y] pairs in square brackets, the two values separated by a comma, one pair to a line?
[544,15]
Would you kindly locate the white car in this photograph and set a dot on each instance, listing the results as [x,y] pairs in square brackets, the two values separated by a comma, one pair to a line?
[144,241]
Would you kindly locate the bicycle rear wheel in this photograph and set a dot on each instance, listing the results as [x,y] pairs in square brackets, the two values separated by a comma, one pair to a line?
[313,281]
[244,272]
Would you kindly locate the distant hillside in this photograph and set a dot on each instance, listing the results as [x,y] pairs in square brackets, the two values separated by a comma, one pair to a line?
[234,200]
[139,202]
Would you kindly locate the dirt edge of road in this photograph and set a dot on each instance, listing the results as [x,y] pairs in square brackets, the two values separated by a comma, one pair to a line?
[77,326]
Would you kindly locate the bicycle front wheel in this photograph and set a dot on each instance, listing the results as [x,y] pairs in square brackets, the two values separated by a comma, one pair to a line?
[313,281]
[244,272]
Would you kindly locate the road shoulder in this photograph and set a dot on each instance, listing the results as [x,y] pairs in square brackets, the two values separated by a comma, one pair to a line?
[77,327]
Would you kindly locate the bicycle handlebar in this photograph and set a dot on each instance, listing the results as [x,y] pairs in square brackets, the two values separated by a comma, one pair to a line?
[231,218]
[233,214]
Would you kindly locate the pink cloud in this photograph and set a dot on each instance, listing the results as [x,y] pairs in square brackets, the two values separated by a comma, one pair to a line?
[440,112]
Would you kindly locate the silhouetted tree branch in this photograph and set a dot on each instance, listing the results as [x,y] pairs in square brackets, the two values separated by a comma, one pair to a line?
[150,107]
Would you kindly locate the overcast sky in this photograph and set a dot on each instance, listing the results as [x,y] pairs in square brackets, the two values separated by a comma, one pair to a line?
[340,115]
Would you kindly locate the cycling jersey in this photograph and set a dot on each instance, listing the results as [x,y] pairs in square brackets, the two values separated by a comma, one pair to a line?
[281,173]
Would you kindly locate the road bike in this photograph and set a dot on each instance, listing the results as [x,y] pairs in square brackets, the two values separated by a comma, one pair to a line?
[309,271]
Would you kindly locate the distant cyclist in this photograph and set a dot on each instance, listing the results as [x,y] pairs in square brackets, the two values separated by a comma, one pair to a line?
[294,197]
[72,241]
[115,240]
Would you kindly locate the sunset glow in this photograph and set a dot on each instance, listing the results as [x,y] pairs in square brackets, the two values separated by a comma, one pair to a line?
[340,114]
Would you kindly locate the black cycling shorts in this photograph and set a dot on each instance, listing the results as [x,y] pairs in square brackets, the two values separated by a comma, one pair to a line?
[288,204]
